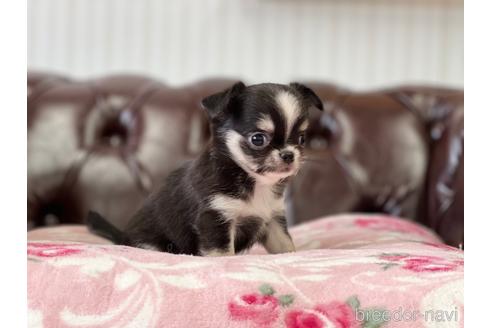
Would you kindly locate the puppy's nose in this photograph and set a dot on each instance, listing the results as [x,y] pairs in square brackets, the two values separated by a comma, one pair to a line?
[287,156]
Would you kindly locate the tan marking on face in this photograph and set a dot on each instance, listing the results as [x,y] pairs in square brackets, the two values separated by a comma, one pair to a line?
[266,124]
[290,108]
[304,126]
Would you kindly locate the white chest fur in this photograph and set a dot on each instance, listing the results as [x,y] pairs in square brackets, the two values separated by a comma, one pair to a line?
[264,203]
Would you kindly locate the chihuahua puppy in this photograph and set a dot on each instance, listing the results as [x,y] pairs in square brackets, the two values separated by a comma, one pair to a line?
[231,196]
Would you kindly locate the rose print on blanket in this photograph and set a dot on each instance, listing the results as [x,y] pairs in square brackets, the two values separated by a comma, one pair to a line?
[334,314]
[263,310]
[51,249]
[260,308]
[420,263]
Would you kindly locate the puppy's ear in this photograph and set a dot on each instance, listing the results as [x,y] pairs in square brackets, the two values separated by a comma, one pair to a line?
[308,95]
[216,103]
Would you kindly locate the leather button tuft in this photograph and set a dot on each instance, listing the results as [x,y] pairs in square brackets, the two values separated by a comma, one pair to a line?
[115,131]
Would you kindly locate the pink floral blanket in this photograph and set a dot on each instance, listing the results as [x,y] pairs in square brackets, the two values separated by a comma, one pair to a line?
[349,271]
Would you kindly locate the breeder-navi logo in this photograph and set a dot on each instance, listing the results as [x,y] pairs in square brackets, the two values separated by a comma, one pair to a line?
[406,315]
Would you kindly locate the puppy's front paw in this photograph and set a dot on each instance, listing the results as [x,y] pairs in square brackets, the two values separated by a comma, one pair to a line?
[277,239]
[288,246]
[281,244]
[291,248]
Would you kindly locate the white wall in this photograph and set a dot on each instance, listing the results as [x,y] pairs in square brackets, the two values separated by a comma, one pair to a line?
[359,43]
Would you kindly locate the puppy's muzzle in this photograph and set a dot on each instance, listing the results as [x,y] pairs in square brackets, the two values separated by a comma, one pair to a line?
[287,156]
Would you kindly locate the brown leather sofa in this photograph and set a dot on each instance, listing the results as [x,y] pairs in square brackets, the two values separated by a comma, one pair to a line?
[103,144]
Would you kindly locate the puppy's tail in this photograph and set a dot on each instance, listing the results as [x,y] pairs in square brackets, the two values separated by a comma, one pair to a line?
[100,226]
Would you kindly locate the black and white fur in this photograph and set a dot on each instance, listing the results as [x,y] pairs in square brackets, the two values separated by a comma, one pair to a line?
[231,196]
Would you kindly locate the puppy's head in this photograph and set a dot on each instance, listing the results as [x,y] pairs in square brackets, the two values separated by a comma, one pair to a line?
[262,127]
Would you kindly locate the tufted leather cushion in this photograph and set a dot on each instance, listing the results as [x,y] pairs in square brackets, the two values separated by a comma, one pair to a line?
[104,144]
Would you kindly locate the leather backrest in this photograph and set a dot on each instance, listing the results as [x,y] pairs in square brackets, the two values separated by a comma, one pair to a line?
[104,144]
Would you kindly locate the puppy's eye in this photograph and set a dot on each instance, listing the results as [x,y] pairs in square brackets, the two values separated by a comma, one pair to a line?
[302,140]
[258,140]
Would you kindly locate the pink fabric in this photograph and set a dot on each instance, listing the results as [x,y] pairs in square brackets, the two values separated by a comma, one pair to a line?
[347,269]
